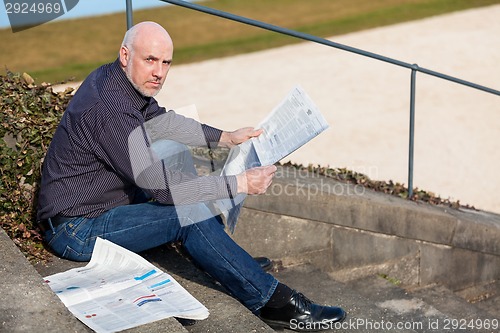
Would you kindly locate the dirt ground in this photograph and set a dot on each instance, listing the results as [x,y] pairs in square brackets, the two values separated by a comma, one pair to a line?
[367,102]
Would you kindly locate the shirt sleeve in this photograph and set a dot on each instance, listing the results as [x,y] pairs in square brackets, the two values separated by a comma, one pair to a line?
[172,126]
[125,144]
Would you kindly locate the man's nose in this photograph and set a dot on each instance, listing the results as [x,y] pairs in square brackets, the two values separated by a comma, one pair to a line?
[159,70]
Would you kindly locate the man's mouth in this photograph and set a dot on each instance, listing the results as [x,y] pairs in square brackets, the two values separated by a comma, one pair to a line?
[155,83]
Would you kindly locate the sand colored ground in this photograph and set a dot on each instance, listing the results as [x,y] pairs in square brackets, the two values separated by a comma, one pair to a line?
[366,102]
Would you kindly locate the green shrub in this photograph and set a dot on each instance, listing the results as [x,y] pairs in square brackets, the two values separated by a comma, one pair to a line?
[30,115]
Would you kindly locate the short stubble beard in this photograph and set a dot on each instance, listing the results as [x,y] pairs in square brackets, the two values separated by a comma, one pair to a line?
[128,73]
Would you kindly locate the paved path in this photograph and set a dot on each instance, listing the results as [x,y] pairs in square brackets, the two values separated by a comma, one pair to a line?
[367,102]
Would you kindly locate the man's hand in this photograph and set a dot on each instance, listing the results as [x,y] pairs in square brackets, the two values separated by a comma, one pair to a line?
[231,139]
[256,180]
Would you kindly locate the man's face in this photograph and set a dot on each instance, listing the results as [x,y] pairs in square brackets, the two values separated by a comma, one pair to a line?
[147,63]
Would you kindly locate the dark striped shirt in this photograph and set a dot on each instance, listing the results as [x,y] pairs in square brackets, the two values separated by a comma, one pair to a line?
[88,170]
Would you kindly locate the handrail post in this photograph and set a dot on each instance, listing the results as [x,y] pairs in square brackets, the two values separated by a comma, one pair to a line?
[128,9]
[411,147]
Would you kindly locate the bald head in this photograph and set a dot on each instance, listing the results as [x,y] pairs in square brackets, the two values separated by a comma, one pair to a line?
[145,56]
[146,31]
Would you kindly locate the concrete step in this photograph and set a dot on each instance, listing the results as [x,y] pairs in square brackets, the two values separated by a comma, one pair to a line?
[28,304]
[56,265]
[460,312]
[226,313]
[485,297]
[432,308]
[363,315]
[376,304]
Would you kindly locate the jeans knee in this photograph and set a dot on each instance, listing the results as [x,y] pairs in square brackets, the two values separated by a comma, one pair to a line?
[205,227]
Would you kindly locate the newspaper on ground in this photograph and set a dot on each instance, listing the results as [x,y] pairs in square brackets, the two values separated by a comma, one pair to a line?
[290,125]
[119,289]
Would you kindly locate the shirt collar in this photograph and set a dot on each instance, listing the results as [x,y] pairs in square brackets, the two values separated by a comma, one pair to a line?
[138,100]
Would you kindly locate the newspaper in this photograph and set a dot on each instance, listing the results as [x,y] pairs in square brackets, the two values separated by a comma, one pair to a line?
[291,124]
[119,289]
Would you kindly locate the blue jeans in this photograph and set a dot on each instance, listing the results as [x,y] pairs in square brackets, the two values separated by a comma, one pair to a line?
[142,226]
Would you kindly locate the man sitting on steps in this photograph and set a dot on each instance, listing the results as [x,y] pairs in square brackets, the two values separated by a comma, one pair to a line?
[118,168]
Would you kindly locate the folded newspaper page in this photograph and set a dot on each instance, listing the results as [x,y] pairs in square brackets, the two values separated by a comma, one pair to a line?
[119,289]
[290,125]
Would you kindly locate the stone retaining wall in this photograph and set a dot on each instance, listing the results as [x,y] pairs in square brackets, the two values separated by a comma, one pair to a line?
[350,231]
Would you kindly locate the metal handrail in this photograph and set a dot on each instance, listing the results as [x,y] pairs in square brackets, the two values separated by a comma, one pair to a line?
[413,67]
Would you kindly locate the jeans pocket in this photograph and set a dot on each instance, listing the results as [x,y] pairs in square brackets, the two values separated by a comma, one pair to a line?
[75,255]
[79,229]
[71,238]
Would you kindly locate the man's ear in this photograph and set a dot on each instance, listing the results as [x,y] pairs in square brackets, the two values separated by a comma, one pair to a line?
[124,56]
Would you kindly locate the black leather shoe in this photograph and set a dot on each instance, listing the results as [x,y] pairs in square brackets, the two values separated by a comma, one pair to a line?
[265,263]
[302,315]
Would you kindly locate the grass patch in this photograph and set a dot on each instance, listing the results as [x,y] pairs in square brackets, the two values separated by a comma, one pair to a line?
[68,49]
